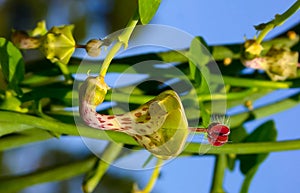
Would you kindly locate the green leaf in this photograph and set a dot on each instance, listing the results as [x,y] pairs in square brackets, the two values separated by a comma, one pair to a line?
[198,57]
[147,9]
[198,53]
[250,163]
[205,115]
[12,64]
[237,135]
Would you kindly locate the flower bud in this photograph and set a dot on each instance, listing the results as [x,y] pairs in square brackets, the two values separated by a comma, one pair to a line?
[252,49]
[93,91]
[23,41]
[93,47]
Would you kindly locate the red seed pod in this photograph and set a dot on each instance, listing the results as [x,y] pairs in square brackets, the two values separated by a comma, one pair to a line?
[217,134]
[215,143]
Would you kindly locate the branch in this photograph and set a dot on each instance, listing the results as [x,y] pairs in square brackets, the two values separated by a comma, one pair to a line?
[192,148]
[55,173]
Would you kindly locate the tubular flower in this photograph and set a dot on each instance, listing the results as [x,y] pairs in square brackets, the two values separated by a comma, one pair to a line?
[159,125]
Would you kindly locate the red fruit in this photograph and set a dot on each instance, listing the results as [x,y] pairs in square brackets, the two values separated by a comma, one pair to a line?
[217,134]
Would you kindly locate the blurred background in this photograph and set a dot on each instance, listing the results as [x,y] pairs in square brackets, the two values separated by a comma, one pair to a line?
[219,22]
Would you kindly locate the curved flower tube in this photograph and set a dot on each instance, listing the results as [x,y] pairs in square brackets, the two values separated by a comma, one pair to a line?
[160,125]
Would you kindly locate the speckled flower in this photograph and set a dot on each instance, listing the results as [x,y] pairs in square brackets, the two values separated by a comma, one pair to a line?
[278,63]
[159,125]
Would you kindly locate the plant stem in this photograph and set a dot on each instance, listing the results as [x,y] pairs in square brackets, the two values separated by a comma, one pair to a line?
[279,20]
[245,148]
[153,178]
[23,138]
[122,40]
[235,148]
[218,53]
[63,128]
[57,173]
[108,156]
[219,171]
[247,82]
[64,69]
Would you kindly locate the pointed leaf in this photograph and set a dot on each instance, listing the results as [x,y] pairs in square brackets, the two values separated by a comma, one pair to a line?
[147,10]
[198,53]
[12,64]
[265,132]
[237,135]
[199,56]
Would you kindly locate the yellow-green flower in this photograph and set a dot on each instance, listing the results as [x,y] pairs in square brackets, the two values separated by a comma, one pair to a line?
[39,30]
[252,48]
[93,91]
[58,44]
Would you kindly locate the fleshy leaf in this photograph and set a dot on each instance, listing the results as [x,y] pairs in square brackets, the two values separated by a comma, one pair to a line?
[12,64]
[147,10]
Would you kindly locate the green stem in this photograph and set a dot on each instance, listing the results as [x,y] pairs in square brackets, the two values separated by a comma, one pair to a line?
[96,173]
[247,82]
[64,69]
[219,53]
[229,96]
[63,128]
[154,177]
[122,40]
[23,138]
[10,127]
[264,32]
[141,99]
[57,173]
[219,171]
[279,20]
[237,148]
[265,111]
[245,148]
